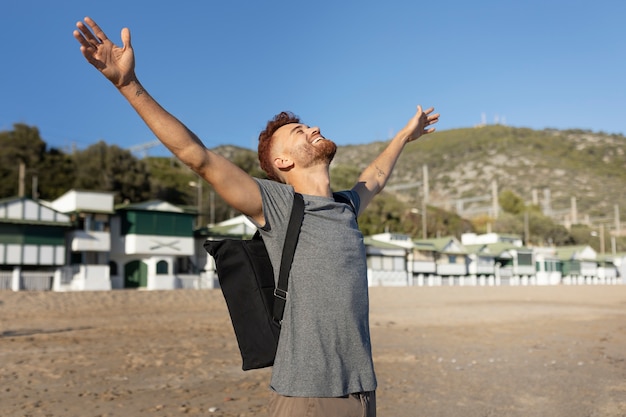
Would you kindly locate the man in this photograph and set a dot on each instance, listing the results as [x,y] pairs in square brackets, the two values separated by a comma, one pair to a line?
[324,364]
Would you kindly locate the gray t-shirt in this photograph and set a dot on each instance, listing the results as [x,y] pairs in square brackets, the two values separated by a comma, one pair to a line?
[324,348]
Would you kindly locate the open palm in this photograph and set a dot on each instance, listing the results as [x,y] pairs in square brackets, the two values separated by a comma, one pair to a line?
[117,64]
[421,123]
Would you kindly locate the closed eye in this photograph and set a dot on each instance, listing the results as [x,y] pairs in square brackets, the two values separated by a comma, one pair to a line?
[298,129]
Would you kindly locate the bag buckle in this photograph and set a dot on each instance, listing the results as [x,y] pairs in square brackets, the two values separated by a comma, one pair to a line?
[282,294]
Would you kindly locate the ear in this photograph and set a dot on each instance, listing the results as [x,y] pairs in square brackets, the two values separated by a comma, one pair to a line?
[283,163]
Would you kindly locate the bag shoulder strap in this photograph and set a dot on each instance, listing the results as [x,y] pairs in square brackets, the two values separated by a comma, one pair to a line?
[291,239]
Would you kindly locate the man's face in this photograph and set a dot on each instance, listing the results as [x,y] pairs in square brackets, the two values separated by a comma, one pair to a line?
[304,144]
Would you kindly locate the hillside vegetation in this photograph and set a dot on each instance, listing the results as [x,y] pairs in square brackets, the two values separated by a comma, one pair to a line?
[463,163]
[542,175]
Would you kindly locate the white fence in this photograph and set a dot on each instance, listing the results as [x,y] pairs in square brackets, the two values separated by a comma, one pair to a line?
[19,280]
[6,278]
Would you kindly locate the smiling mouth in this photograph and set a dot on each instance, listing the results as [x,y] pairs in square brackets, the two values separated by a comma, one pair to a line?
[317,139]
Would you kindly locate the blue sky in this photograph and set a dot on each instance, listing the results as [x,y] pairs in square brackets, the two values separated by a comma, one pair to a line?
[357,69]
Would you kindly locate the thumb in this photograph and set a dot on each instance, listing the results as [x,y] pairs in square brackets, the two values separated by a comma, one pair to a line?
[126,38]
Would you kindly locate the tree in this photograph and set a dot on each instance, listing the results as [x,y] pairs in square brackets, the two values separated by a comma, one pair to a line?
[170,181]
[543,230]
[384,214]
[110,168]
[511,202]
[21,145]
[445,223]
[54,173]
[343,177]
[249,162]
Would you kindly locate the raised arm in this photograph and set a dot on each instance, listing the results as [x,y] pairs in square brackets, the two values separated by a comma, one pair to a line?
[117,64]
[373,179]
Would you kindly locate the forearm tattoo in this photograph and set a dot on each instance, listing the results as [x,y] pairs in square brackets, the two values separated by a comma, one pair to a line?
[380,172]
[140,90]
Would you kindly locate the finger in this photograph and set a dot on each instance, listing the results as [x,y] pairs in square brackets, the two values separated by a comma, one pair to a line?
[81,39]
[100,35]
[85,33]
[126,38]
[433,118]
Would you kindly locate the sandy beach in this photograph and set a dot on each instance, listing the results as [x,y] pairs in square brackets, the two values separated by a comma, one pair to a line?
[440,351]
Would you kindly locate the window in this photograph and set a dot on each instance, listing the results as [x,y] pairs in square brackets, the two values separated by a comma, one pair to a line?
[157,223]
[524,258]
[112,268]
[374,262]
[162,268]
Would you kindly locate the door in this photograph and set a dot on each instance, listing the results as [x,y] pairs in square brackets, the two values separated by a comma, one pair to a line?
[135,274]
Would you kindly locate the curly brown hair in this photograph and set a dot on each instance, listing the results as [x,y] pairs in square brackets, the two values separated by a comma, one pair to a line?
[265,141]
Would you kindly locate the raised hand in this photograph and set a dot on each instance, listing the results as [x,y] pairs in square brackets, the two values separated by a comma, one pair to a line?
[420,124]
[117,64]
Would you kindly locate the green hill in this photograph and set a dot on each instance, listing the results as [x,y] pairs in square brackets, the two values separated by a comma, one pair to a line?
[557,165]
[554,170]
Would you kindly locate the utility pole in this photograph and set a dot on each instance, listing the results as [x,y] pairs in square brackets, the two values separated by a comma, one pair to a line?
[198,186]
[526,228]
[199,197]
[494,196]
[425,202]
[601,239]
[574,211]
[35,187]
[547,202]
[22,175]
[212,207]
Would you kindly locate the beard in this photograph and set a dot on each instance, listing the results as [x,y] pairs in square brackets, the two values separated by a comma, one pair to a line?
[326,150]
[308,155]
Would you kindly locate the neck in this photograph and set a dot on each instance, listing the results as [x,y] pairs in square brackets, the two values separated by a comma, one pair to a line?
[311,182]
